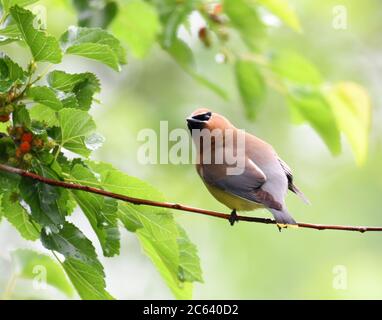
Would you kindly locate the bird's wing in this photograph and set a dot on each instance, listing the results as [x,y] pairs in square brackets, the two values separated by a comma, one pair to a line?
[291,186]
[247,185]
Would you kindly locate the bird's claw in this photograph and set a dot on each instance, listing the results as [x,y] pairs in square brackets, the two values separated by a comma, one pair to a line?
[233,218]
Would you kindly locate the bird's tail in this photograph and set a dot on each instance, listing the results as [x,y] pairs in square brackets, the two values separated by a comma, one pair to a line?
[283,217]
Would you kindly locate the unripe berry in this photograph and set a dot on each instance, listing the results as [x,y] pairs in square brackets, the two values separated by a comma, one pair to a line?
[38,143]
[18,153]
[27,157]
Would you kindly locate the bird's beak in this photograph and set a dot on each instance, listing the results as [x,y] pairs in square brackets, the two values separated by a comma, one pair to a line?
[193,123]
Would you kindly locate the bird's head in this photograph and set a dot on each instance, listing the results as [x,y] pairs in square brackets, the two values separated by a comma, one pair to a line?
[203,118]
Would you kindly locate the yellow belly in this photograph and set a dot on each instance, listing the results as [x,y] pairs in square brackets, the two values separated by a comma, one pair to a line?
[232,201]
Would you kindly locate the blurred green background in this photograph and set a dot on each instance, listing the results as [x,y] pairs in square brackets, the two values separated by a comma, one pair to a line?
[247,261]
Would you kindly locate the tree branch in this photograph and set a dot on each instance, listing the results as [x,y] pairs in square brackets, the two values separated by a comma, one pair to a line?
[174,206]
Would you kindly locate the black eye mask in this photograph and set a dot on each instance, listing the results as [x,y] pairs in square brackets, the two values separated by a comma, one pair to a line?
[203,117]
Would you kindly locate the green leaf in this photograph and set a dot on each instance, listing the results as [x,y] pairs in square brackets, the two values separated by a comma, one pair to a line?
[352,108]
[75,126]
[155,227]
[42,46]
[47,203]
[313,107]
[10,73]
[21,117]
[251,86]
[182,53]
[88,281]
[95,13]
[245,18]
[18,216]
[9,34]
[295,68]
[283,10]
[26,261]
[189,268]
[78,86]
[101,212]
[46,96]
[44,114]
[7,4]
[138,25]
[94,43]
[81,263]
[172,14]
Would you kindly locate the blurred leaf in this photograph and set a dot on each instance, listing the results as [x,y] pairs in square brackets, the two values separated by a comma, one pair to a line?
[79,88]
[81,262]
[352,108]
[138,25]
[182,54]
[94,43]
[295,68]
[9,33]
[42,46]
[26,262]
[45,96]
[95,13]
[246,20]
[172,14]
[251,86]
[75,126]
[101,212]
[18,216]
[40,112]
[7,4]
[314,108]
[283,10]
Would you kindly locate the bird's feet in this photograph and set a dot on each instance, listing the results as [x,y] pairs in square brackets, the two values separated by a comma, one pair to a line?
[233,218]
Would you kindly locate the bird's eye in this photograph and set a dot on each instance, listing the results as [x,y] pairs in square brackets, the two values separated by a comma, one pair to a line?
[203,116]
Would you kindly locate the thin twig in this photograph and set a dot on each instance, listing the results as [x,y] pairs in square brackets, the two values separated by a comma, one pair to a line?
[175,206]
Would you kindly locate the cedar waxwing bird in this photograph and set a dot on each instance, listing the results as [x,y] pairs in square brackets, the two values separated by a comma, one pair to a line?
[263,179]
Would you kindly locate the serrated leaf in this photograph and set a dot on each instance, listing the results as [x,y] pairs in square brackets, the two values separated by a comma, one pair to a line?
[44,114]
[313,107]
[10,73]
[81,263]
[75,126]
[251,86]
[284,11]
[94,43]
[189,267]
[138,25]
[43,47]
[95,13]
[79,88]
[18,216]
[352,108]
[71,243]
[46,96]
[26,262]
[245,18]
[47,203]
[101,212]
[88,281]
[155,227]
